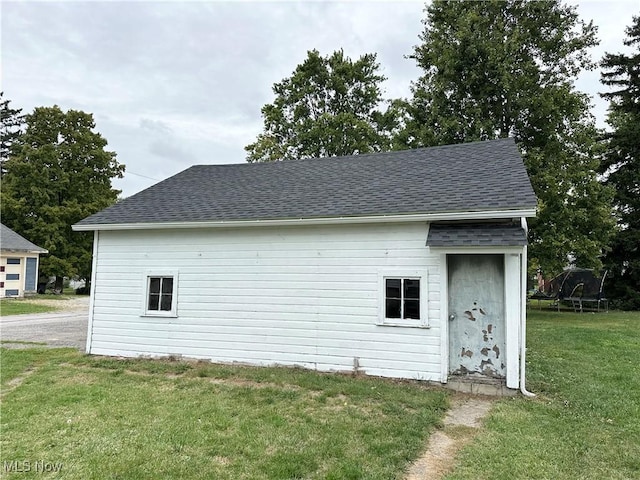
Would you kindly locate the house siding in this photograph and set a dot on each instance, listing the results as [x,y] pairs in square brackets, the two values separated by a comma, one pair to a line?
[307,296]
[16,276]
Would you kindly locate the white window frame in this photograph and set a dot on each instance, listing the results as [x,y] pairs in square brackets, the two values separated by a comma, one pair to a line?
[423,321]
[174,294]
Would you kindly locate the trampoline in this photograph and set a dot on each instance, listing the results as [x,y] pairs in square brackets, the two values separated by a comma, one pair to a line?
[581,288]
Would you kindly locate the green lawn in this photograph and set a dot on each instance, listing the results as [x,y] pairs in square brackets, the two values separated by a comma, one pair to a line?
[19,306]
[585,421]
[36,304]
[108,418]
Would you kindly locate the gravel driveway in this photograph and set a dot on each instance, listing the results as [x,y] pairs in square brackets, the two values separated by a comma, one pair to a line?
[66,328]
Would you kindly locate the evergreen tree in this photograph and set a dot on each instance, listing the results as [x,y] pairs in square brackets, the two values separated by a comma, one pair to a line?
[12,122]
[622,168]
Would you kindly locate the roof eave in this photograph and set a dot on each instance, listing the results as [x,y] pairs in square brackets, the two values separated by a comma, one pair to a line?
[421,217]
[24,250]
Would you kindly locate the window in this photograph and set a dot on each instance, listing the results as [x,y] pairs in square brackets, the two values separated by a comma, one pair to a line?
[13,261]
[13,276]
[11,293]
[2,268]
[1,284]
[403,299]
[160,293]
[160,299]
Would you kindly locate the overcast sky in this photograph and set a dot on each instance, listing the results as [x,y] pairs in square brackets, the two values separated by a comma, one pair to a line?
[173,84]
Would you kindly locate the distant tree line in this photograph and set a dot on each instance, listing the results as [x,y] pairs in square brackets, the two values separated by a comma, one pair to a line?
[491,70]
[494,69]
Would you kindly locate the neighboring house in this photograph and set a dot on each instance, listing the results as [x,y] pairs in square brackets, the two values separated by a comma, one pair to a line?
[408,264]
[19,260]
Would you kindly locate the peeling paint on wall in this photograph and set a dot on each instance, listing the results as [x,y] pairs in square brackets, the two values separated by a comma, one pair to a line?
[476,303]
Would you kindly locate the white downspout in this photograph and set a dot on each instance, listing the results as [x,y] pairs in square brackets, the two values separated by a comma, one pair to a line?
[523,313]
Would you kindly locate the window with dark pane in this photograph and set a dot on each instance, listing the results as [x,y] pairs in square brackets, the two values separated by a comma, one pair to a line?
[393,308]
[394,286]
[393,295]
[166,294]
[160,294]
[412,309]
[411,289]
[411,298]
[402,298]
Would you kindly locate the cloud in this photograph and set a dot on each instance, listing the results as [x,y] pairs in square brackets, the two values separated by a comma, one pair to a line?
[155,126]
[170,150]
[163,142]
[176,83]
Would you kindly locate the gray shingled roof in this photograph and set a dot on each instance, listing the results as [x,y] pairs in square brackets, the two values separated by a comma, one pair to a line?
[10,240]
[470,177]
[476,235]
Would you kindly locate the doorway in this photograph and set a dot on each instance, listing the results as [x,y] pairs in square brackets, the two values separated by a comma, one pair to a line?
[476,315]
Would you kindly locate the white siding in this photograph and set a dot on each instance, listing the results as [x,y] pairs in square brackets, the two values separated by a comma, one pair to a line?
[304,296]
[512,317]
[13,269]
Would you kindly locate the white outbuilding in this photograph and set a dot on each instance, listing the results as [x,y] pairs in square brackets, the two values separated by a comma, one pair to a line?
[407,264]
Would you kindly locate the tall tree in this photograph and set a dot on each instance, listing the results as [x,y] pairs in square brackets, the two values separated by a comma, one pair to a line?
[58,173]
[329,106]
[622,167]
[11,127]
[506,68]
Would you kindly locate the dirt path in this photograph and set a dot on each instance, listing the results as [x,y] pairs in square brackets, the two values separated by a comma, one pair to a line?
[16,382]
[460,427]
[68,304]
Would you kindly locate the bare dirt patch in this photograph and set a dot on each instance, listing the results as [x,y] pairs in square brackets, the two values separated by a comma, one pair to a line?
[16,382]
[71,304]
[461,424]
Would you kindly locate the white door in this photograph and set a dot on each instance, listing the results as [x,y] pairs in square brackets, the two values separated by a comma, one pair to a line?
[476,315]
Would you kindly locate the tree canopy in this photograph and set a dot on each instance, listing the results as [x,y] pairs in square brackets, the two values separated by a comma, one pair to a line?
[11,127]
[621,167]
[329,106]
[506,68]
[58,173]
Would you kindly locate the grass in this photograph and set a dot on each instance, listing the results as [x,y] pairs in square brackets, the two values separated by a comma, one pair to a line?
[114,418]
[36,304]
[19,306]
[110,418]
[584,422]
